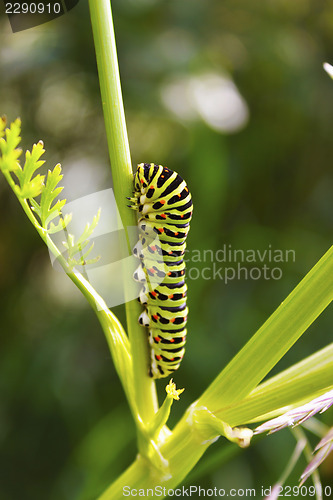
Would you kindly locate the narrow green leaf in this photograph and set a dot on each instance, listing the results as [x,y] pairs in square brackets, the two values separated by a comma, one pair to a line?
[284,327]
[298,384]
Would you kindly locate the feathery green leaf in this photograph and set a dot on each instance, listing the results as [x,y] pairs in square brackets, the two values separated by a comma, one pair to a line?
[76,247]
[30,186]
[45,210]
[9,140]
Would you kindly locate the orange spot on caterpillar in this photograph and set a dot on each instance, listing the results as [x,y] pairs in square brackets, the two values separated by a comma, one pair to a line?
[179,195]
[169,273]
[152,270]
[162,202]
[161,230]
[172,320]
[157,339]
[176,234]
[154,294]
[142,181]
[155,316]
[158,357]
[172,340]
[171,296]
[163,216]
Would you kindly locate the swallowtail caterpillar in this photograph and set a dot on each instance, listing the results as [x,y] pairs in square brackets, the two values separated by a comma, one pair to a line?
[164,205]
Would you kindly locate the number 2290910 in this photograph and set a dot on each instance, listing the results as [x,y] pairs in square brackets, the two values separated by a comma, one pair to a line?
[32,8]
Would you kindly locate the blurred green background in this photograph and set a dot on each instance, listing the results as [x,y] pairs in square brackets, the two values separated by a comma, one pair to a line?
[230,94]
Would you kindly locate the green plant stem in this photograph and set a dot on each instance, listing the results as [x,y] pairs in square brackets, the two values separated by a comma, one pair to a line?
[301,442]
[114,116]
[113,330]
[187,443]
[299,435]
[114,333]
[277,335]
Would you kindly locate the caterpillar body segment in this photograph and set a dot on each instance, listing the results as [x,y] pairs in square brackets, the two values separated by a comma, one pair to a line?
[162,250]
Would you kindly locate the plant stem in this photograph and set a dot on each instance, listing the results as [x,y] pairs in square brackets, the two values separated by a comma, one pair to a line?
[114,116]
[187,443]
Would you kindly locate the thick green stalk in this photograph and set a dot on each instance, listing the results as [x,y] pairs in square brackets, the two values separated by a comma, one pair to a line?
[188,441]
[277,335]
[114,333]
[105,46]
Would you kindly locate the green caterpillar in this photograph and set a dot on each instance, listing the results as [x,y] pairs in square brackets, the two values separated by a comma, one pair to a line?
[164,206]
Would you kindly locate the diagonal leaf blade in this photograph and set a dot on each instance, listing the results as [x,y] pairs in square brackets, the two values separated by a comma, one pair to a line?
[277,335]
